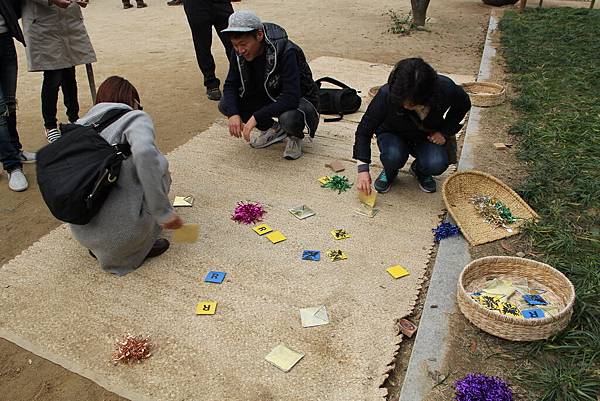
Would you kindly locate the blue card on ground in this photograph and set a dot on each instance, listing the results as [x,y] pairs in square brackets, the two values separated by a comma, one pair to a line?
[215,277]
[533,313]
[535,300]
[311,255]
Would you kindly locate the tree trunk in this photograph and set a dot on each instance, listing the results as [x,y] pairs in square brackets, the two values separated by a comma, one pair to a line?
[419,11]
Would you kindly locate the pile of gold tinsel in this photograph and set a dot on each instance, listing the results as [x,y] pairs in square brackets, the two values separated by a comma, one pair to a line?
[493,211]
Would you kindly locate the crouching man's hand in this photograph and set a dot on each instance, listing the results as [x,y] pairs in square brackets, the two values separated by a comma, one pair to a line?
[235,126]
[363,182]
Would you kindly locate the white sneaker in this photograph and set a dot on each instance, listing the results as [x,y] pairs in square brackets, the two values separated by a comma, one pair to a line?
[262,139]
[27,157]
[293,148]
[17,181]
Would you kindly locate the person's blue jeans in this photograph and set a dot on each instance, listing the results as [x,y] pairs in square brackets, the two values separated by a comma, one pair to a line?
[431,159]
[10,146]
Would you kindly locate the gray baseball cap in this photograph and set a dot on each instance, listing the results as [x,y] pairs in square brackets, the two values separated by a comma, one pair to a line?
[243,21]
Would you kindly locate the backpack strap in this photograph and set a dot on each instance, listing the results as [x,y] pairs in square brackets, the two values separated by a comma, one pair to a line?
[108,118]
[331,81]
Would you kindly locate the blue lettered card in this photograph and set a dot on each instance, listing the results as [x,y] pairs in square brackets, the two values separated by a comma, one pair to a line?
[215,277]
[315,256]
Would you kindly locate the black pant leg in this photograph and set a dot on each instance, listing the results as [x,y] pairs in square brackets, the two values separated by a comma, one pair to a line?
[198,14]
[69,89]
[50,87]
[221,14]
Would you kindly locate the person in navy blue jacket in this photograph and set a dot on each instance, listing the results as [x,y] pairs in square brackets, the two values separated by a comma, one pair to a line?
[418,112]
[268,78]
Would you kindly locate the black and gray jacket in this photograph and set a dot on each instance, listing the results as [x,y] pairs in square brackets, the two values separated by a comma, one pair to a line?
[277,43]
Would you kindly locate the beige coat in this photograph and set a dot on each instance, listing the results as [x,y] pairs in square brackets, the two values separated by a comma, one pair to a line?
[55,37]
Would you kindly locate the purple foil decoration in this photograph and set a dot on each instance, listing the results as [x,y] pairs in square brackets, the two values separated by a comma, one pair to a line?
[248,213]
[479,387]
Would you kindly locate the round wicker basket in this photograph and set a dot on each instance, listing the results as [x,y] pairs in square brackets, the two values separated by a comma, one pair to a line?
[460,187]
[508,327]
[485,94]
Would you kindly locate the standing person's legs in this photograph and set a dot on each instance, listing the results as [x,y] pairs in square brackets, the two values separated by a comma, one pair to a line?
[394,153]
[8,84]
[430,160]
[69,90]
[221,13]
[200,21]
[50,87]
[9,155]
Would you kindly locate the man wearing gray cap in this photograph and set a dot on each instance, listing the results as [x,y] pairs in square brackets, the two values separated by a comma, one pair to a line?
[268,78]
[202,15]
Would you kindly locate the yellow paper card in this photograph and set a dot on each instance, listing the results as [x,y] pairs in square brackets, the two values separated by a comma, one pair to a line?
[340,234]
[367,199]
[187,234]
[283,357]
[262,229]
[324,180]
[206,308]
[276,236]
[336,254]
[397,271]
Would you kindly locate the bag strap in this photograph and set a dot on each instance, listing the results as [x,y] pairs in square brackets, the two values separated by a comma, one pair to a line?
[331,81]
[108,118]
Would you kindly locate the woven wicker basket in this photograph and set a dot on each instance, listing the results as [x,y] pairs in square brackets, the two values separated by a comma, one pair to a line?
[458,190]
[485,94]
[508,327]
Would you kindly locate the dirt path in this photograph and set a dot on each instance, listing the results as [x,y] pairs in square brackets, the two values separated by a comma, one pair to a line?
[152,47]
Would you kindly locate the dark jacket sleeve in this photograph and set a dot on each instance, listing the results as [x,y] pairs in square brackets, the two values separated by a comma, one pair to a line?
[371,120]
[289,98]
[460,104]
[233,82]
[11,12]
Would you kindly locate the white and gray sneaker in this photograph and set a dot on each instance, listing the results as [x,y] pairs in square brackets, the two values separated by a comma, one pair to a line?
[27,157]
[52,134]
[17,181]
[262,139]
[293,148]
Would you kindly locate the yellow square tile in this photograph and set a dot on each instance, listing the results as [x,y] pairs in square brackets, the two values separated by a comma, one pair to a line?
[340,234]
[276,236]
[187,234]
[206,308]
[336,254]
[283,357]
[262,229]
[324,180]
[397,271]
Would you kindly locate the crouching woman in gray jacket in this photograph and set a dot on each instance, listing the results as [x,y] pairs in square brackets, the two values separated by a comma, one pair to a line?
[126,231]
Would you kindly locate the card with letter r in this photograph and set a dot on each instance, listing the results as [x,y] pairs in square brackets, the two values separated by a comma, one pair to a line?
[533,313]
[315,256]
[215,277]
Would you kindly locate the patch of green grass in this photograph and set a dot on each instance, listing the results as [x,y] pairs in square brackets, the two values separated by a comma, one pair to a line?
[554,59]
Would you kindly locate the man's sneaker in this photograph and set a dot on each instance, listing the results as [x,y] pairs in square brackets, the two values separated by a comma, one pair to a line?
[17,181]
[382,184]
[175,2]
[27,157]
[426,182]
[126,6]
[213,94]
[141,4]
[52,134]
[293,148]
[262,139]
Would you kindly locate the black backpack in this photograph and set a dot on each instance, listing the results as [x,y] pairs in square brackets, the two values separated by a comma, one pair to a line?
[337,101]
[76,172]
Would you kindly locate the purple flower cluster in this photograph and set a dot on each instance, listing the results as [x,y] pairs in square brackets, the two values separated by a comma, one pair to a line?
[479,387]
[248,213]
[445,230]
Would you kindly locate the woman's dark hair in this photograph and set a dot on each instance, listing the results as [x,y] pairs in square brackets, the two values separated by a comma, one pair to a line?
[412,80]
[118,90]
